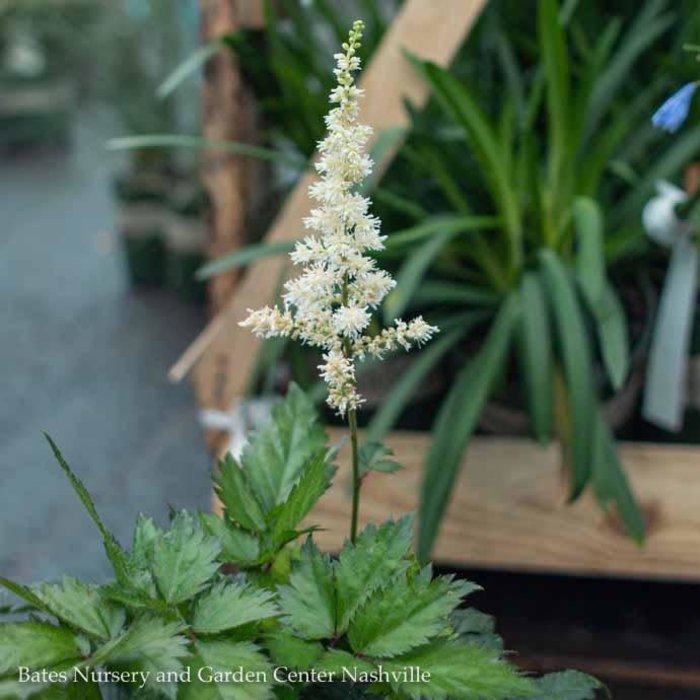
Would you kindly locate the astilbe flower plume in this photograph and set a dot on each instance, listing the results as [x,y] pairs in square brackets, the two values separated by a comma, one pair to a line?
[330,305]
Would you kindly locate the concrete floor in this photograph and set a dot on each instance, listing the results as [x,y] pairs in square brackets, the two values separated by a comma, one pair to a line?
[84,358]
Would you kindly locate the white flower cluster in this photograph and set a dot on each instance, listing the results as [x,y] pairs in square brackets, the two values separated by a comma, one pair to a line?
[329,306]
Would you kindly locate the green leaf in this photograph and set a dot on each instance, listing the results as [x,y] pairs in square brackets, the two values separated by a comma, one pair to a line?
[191,64]
[151,644]
[237,546]
[405,615]
[398,241]
[566,685]
[411,274]
[457,420]
[233,489]
[590,257]
[115,553]
[314,482]
[24,593]
[35,645]
[386,143]
[378,556]
[138,143]
[578,365]
[229,605]
[184,559]
[243,257]
[477,628]
[458,670]
[286,649]
[536,356]
[277,454]
[552,46]
[340,662]
[443,292]
[374,456]
[613,335]
[82,606]
[407,386]
[307,603]
[610,483]
[226,657]
[459,104]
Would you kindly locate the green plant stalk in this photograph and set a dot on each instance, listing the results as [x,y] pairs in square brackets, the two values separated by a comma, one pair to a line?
[352,424]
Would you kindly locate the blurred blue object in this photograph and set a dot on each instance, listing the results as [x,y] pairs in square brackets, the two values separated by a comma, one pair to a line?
[673,113]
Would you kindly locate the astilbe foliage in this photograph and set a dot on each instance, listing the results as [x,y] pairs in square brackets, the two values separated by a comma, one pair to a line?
[172,609]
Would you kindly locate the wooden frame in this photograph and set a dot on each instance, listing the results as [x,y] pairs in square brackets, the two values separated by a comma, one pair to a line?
[508,509]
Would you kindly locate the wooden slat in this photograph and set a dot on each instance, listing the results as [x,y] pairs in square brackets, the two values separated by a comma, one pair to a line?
[509,510]
[229,115]
[431,30]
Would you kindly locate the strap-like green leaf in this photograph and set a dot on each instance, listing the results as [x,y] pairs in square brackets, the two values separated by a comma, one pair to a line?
[578,365]
[407,386]
[610,482]
[243,257]
[590,257]
[457,420]
[536,356]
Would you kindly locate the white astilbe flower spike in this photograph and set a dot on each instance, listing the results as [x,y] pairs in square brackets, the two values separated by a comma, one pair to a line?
[329,306]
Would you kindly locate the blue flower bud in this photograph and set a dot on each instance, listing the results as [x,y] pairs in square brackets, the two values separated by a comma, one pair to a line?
[673,113]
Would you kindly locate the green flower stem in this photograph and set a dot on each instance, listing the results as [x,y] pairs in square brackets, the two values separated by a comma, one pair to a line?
[352,423]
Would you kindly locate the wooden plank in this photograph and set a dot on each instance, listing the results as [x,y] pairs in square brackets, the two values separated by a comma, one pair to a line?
[509,510]
[433,31]
[229,115]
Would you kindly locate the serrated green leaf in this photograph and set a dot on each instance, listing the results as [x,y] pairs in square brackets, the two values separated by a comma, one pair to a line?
[314,482]
[277,454]
[115,553]
[307,603]
[237,546]
[286,649]
[150,644]
[229,605]
[459,671]
[233,488]
[184,559]
[82,606]
[22,592]
[146,533]
[225,657]
[477,628]
[378,556]
[405,615]
[340,662]
[457,420]
[35,645]
[566,685]
[375,457]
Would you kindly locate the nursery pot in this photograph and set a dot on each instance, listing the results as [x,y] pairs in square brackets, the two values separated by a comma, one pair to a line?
[185,238]
[143,213]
